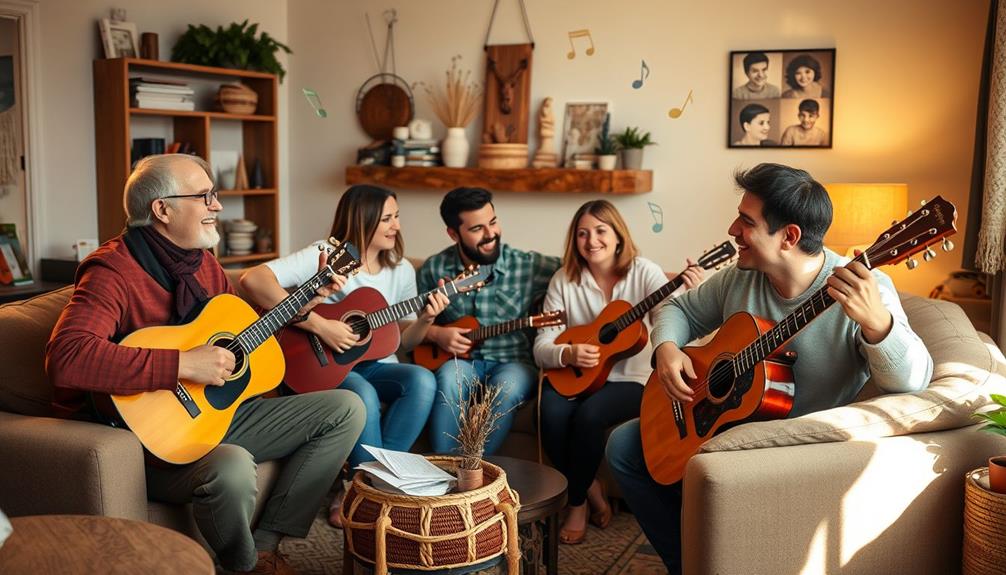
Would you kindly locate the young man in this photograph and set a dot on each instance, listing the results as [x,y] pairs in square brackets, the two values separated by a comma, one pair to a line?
[782,218]
[156,273]
[518,280]
[757,86]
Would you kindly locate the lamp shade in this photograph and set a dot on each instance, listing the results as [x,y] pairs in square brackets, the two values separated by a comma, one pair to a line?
[862,212]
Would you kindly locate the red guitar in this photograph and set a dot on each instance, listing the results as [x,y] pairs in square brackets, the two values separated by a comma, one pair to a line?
[312,366]
[431,357]
[619,332]
[741,372]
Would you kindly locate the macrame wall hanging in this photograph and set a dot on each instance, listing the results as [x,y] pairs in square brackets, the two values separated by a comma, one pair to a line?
[507,87]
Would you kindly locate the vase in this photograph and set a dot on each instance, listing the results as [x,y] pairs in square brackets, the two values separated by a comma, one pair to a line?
[469,479]
[237,99]
[455,148]
[997,473]
[632,158]
[607,161]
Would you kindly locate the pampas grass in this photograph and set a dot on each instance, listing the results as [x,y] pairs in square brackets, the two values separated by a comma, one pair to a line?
[478,414]
[457,104]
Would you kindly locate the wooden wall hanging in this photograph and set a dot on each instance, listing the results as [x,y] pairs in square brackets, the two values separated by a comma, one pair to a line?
[507,87]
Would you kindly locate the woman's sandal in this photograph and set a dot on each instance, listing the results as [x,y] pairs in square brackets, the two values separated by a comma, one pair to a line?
[572,537]
[602,517]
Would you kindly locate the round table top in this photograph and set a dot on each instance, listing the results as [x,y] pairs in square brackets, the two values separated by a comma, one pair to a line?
[542,489]
[71,544]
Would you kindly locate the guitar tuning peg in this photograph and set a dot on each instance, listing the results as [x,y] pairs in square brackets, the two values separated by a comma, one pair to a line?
[912,263]
[909,213]
[947,245]
[929,255]
[922,202]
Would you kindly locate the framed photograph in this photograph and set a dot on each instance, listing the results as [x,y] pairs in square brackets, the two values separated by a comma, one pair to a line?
[119,38]
[581,131]
[781,98]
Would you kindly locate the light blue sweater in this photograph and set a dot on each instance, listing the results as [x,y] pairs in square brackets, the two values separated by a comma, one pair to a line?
[833,360]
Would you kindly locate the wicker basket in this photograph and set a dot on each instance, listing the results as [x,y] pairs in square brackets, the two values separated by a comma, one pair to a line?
[431,533]
[984,526]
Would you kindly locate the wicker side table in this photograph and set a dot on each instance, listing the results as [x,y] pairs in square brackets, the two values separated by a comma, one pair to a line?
[984,526]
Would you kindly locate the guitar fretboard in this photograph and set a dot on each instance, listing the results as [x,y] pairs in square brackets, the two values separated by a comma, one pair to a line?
[401,309]
[640,309]
[270,322]
[484,333]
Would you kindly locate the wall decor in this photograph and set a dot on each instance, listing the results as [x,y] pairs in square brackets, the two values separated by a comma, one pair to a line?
[781,98]
[119,38]
[507,87]
[581,131]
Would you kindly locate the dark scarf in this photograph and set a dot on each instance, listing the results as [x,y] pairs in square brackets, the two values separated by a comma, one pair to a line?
[181,266]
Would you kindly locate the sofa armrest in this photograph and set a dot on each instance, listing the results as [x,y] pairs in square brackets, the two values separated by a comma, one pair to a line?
[70,467]
[888,505]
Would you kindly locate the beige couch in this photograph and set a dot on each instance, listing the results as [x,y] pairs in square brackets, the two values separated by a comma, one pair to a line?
[872,487]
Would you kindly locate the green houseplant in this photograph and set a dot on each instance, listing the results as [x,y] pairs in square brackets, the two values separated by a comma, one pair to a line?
[233,47]
[995,422]
[607,147]
[632,141]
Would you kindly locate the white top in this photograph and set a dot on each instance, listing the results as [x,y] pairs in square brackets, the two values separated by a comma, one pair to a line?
[583,302]
[395,284]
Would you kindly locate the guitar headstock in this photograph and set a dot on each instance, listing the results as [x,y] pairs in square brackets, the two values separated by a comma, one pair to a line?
[549,319]
[718,256]
[933,222]
[472,278]
[344,259]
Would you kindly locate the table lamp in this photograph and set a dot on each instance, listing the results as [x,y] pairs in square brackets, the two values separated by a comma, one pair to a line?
[862,212]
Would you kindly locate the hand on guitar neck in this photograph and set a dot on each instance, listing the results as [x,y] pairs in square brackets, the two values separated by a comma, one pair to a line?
[856,290]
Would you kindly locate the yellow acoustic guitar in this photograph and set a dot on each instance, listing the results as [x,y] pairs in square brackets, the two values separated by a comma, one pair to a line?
[182,425]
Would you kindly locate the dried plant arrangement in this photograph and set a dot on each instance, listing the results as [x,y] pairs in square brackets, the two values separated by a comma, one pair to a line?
[457,104]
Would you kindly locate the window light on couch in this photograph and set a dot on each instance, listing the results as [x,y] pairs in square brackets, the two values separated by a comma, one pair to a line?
[862,212]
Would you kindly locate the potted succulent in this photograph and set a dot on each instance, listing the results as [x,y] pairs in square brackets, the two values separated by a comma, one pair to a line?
[233,47]
[995,422]
[632,141]
[608,147]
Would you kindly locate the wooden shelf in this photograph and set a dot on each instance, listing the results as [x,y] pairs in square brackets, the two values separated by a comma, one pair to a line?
[519,180]
[249,192]
[201,114]
[192,68]
[248,258]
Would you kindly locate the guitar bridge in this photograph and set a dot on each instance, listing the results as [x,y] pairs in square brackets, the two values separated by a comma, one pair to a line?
[319,349]
[679,419]
[183,397]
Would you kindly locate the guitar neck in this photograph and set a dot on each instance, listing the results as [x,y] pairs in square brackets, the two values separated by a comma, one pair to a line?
[484,333]
[270,322]
[383,317]
[649,302]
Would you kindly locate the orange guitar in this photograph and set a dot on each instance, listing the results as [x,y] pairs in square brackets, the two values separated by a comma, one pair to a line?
[182,425]
[741,373]
[619,332]
[431,357]
[313,366]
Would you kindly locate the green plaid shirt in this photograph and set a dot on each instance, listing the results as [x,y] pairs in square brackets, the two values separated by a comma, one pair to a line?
[519,280]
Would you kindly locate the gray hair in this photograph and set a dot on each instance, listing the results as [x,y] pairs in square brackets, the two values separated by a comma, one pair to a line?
[153,178]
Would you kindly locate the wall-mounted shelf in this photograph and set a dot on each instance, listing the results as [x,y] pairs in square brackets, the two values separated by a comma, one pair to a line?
[519,180]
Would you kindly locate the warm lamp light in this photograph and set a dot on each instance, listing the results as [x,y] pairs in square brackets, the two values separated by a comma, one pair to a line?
[862,212]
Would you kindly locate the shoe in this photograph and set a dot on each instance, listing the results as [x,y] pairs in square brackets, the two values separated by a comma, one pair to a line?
[269,563]
[602,517]
[571,536]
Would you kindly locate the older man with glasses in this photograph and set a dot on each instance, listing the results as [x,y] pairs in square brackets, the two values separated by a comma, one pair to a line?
[158,272]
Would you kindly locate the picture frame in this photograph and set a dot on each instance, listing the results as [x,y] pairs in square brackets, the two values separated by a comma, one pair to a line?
[581,130]
[14,264]
[781,98]
[120,39]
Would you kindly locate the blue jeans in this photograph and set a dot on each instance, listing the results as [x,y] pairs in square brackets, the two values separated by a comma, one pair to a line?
[407,389]
[517,380]
[657,507]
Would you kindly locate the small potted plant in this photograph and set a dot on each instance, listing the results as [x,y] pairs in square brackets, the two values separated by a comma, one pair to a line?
[995,422]
[608,147]
[479,413]
[233,47]
[632,141]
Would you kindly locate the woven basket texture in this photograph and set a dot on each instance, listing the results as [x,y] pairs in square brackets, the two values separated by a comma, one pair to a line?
[984,526]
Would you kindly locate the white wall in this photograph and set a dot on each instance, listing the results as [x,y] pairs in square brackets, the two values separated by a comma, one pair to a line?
[70,41]
[907,79]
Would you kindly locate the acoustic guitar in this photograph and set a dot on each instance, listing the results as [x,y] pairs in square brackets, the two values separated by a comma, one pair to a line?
[184,424]
[619,332]
[430,356]
[312,366]
[743,374]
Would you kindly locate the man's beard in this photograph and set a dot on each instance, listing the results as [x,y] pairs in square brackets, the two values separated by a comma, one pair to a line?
[478,257]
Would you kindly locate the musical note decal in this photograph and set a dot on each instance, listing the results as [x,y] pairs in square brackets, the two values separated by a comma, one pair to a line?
[675,113]
[658,217]
[315,101]
[637,84]
[580,34]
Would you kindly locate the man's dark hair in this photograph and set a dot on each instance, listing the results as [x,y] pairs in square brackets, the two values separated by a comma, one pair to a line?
[790,196]
[810,106]
[753,58]
[462,200]
[750,112]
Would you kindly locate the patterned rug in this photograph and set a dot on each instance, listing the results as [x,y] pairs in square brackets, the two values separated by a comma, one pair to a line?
[621,549]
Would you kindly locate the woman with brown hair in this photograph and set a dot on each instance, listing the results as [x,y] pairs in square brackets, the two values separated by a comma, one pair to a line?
[367,216]
[601,264]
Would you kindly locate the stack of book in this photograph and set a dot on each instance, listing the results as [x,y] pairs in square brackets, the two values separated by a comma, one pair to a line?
[425,153]
[161,94]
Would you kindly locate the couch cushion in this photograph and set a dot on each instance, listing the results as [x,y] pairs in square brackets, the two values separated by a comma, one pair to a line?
[25,327]
[966,370]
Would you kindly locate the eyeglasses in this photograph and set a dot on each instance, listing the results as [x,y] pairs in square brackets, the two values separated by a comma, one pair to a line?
[208,197]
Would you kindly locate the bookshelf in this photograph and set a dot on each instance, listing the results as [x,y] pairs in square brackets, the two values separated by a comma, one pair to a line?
[255,136]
